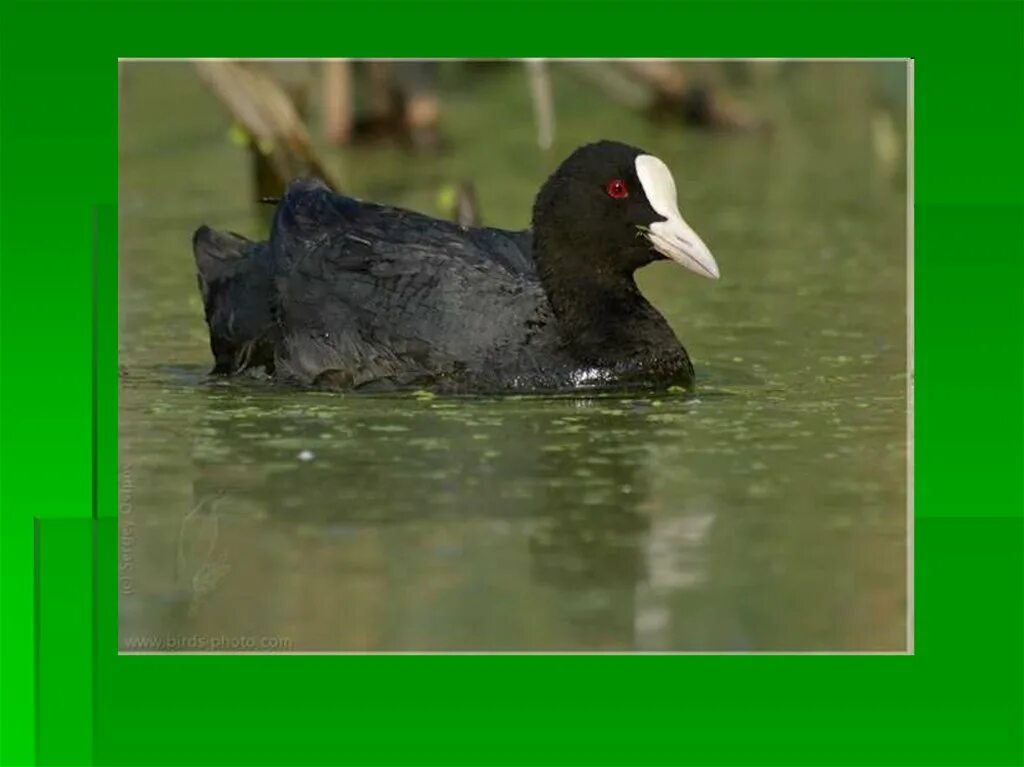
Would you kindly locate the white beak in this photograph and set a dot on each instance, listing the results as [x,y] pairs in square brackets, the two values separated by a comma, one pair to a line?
[673,237]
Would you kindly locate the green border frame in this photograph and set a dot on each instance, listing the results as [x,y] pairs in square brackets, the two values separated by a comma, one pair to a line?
[68,698]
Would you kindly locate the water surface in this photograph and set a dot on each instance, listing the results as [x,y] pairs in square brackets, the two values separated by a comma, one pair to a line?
[765,512]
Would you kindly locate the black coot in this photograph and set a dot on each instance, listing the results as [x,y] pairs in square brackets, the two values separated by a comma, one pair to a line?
[356,296]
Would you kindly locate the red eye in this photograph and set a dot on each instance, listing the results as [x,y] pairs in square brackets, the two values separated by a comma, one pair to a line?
[617,189]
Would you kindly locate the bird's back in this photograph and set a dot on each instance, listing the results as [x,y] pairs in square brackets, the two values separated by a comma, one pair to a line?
[368,295]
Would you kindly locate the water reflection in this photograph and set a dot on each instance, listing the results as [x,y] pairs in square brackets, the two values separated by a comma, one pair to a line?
[387,524]
[468,515]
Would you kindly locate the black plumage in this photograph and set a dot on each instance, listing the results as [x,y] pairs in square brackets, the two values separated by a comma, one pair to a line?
[357,296]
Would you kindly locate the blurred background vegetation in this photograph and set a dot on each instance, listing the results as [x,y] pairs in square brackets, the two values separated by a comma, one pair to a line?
[480,123]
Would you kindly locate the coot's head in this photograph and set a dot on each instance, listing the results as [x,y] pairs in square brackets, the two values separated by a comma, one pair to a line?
[611,208]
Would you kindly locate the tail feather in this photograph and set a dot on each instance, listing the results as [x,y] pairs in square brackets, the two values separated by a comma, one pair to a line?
[236,284]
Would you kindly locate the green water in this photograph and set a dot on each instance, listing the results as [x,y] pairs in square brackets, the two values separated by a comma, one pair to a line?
[767,512]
